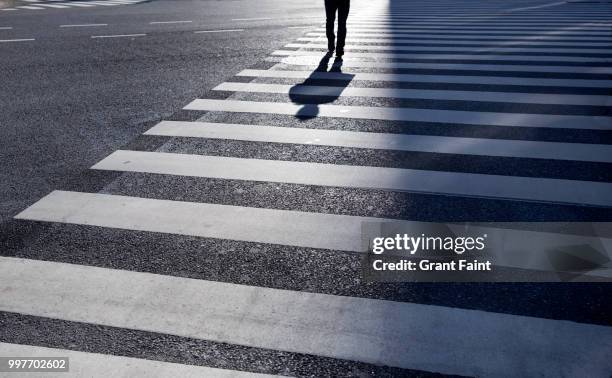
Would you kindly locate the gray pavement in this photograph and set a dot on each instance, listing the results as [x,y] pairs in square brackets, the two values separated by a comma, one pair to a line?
[198,242]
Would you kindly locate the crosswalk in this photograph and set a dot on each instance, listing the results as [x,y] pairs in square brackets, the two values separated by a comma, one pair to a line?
[232,233]
[67,4]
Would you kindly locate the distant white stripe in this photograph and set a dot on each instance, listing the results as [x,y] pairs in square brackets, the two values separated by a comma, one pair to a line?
[507,97]
[483,57]
[486,29]
[82,25]
[169,22]
[480,30]
[538,6]
[450,11]
[569,17]
[449,340]
[381,141]
[84,364]
[252,19]
[480,22]
[460,36]
[484,18]
[559,22]
[377,47]
[118,36]
[544,45]
[507,20]
[490,80]
[452,31]
[396,179]
[406,114]
[16,40]
[56,6]
[218,31]
[313,60]
[5,28]
[491,28]
[79,4]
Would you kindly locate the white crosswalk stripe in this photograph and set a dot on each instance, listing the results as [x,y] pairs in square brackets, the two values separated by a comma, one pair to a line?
[443,36]
[455,79]
[312,59]
[316,37]
[314,90]
[519,87]
[407,114]
[450,340]
[467,30]
[115,366]
[67,4]
[469,56]
[466,184]
[423,143]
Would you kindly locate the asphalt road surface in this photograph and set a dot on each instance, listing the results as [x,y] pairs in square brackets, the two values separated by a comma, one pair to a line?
[184,182]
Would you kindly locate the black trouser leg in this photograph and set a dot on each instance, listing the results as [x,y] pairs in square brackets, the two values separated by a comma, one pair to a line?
[343,11]
[330,13]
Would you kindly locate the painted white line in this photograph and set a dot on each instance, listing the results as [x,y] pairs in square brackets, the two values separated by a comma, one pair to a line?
[488,80]
[313,60]
[93,364]
[218,31]
[483,22]
[169,22]
[405,335]
[500,26]
[252,19]
[81,5]
[460,36]
[118,36]
[455,31]
[489,28]
[504,16]
[537,6]
[82,25]
[56,6]
[16,40]
[406,114]
[382,141]
[426,94]
[294,228]
[483,30]
[377,47]
[348,176]
[528,42]
[441,16]
[414,16]
[482,57]
[6,28]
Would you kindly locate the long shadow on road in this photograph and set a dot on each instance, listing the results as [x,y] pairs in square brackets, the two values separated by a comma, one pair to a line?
[311,96]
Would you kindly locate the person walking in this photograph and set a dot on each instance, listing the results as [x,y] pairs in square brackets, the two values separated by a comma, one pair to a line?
[331,7]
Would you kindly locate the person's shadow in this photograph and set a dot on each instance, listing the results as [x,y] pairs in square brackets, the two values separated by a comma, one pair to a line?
[321,87]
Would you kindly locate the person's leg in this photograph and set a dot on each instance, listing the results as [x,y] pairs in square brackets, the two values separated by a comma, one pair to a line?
[343,12]
[330,14]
